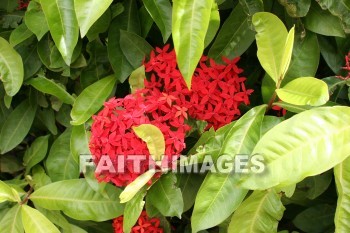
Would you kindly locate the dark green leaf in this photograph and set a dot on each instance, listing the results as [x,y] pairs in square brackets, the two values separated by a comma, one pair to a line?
[296,8]
[36,152]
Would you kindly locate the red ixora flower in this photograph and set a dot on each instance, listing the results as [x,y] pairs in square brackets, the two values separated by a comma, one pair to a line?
[144,225]
[346,68]
[22,4]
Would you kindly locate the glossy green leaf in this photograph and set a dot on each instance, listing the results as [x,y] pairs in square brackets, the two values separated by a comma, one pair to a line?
[100,26]
[189,185]
[77,200]
[60,164]
[49,86]
[214,24]
[284,147]
[47,117]
[7,193]
[39,177]
[34,221]
[12,221]
[304,91]
[30,57]
[35,20]
[260,212]
[271,38]
[88,12]
[63,25]
[91,100]
[190,24]
[160,11]
[36,152]
[79,141]
[17,126]
[56,218]
[219,195]
[133,210]
[292,107]
[146,21]
[296,8]
[166,197]
[287,54]
[134,187]
[134,47]
[137,79]
[342,180]
[11,68]
[316,185]
[20,34]
[154,139]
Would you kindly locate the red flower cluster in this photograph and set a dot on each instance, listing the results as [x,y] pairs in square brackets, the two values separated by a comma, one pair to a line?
[166,102]
[346,67]
[144,225]
[22,4]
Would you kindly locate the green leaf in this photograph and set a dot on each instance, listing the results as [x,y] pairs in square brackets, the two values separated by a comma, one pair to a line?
[190,24]
[63,25]
[20,34]
[323,22]
[287,54]
[39,177]
[189,185]
[49,86]
[160,11]
[100,26]
[17,126]
[60,164]
[154,139]
[234,37]
[166,197]
[30,57]
[134,47]
[214,24]
[316,185]
[146,21]
[8,194]
[47,117]
[35,20]
[56,218]
[11,68]
[304,91]
[292,107]
[12,221]
[134,187]
[77,200]
[88,12]
[8,5]
[133,210]
[91,100]
[137,79]
[34,221]
[219,195]
[79,141]
[284,147]
[260,212]
[36,152]
[342,180]
[296,9]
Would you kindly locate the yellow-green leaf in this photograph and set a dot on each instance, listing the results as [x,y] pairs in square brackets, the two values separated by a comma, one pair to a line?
[287,54]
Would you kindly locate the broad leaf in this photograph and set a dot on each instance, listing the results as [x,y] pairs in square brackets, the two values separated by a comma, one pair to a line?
[190,24]
[63,25]
[260,212]
[166,197]
[12,221]
[79,141]
[91,100]
[7,193]
[11,68]
[77,200]
[36,152]
[88,12]
[292,107]
[133,211]
[219,195]
[292,148]
[160,11]
[271,38]
[304,91]
[34,221]
[35,20]
[154,139]
[189,183]
[49,86]
[20,34]
[296,8]
[214,25]
[17,126]
[137,79]
[287,52]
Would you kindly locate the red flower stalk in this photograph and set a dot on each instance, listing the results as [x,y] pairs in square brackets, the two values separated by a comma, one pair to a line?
[144,225]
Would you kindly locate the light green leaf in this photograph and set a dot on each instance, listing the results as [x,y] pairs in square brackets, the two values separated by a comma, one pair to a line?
[36,152]
[292,148]
[287,54]
[39,177]
[134,187]
[271,38]
[154,139]
[63,25]
[260,212]
[133,210]
[20,34]
[304,91]
[11,68]
[137,79]
[292,107]
[77,200]
[34,221]
[35,20]
[17,126]
[88,12]
[79,141]
[56,218]
[60,164]
[342,180]
[91,100]
[219,195]
[12,221]
[8,194]
[214,24]
[190,24]
[160,11]
[49,86]
[166,197]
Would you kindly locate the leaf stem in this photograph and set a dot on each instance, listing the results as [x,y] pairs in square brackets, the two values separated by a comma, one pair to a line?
[26,198]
